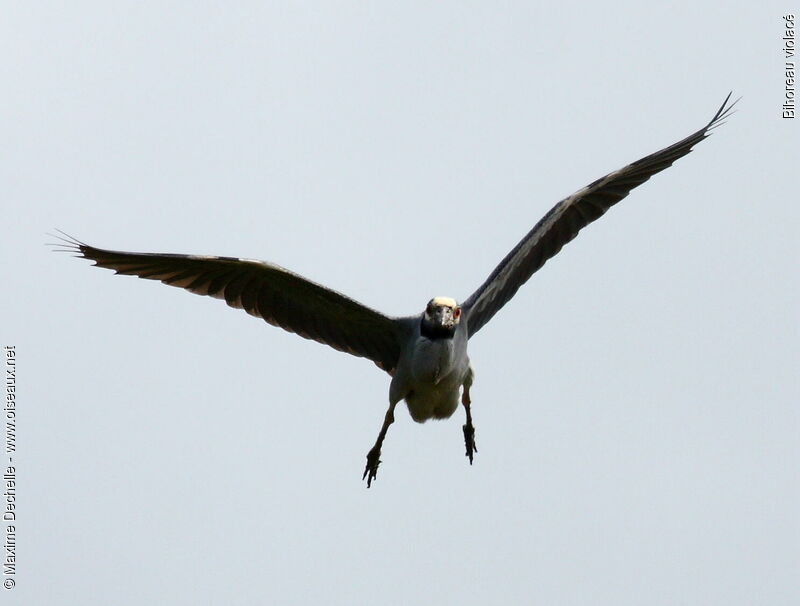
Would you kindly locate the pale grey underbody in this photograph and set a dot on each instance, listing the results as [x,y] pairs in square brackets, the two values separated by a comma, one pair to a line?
[430,375]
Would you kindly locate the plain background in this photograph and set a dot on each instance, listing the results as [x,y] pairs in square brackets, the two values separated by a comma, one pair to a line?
[635,404]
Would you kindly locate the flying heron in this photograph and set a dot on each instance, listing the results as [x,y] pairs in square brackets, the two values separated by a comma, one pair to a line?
[425,354]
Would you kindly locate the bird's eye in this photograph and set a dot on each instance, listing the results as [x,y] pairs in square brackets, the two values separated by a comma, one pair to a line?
[457,312]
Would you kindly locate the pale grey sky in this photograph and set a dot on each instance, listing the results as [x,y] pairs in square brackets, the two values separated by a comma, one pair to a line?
[635,404]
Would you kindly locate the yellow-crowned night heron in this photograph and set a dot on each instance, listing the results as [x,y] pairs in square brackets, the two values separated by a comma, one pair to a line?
[425,354]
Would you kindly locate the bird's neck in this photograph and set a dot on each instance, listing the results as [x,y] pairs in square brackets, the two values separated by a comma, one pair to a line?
[434,332]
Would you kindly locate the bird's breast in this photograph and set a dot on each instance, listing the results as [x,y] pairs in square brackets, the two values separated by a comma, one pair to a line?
[432,360]
[430,374]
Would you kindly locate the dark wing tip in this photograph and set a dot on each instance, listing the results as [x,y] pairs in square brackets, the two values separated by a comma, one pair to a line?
[724,112]
[66,243]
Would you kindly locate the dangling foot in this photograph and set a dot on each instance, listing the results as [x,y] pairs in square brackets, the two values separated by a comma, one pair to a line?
[469,440]
[373,460]
[374,455]
[469,429]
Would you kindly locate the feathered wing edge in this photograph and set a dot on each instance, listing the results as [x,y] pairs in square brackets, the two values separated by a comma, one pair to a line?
[267,291]
[563,222]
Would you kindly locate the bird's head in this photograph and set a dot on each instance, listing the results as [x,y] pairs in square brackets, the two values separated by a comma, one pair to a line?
[441,317]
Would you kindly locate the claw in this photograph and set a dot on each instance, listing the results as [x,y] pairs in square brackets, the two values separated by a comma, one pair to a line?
[371,470]
[469,441]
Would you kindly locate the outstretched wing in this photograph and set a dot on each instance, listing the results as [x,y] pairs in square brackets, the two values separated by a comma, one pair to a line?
[566,219]
[267,291]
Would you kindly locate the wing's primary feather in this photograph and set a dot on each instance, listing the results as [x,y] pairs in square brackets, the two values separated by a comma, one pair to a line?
[567,218]
[267,291]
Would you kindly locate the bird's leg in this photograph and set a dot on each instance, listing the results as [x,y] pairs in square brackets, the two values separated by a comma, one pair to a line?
[373,456]
[469,429]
